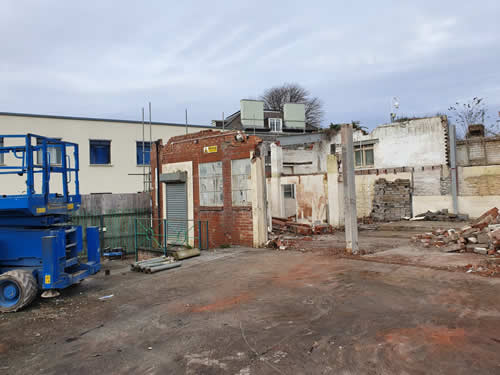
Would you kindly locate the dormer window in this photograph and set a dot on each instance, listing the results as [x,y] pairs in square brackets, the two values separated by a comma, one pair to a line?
[275,124]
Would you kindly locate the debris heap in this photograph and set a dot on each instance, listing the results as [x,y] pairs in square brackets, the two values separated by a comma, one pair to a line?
[441,215]
[482,236]
[286,232]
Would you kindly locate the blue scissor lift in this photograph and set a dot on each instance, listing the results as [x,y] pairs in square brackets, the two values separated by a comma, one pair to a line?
[39,249]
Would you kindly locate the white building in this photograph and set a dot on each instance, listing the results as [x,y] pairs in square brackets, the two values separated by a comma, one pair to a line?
[111,159]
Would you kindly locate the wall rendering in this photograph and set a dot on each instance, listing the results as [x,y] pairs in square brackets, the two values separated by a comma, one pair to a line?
[122,175]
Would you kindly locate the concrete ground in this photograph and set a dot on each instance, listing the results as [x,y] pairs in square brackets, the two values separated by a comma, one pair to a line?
[250,311]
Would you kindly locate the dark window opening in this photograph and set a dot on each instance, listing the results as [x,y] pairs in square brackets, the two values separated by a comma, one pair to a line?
[289,191]
[100,152]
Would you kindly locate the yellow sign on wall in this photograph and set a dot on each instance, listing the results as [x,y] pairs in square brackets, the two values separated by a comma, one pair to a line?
[209,149]
[47,279]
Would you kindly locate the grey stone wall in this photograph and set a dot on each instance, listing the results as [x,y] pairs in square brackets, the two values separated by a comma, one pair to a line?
[97,204]
[392,200]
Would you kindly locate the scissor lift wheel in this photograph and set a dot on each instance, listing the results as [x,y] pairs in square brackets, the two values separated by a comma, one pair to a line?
[18,288]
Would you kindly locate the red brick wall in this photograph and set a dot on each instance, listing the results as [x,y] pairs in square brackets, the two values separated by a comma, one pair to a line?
[227,225]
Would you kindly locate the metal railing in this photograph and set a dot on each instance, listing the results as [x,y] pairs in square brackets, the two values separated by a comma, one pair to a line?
[116,229]
[159,235]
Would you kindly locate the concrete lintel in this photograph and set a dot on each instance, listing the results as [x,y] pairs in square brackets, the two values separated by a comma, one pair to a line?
[174,177]
[299,139]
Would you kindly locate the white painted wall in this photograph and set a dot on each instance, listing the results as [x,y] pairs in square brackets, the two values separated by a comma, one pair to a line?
[115,178]
[420,142]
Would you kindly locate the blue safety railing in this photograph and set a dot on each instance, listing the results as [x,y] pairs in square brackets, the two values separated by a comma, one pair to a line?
[27,150]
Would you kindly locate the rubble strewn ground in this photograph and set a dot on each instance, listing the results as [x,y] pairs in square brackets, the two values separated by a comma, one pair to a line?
[441,215]
[401,308]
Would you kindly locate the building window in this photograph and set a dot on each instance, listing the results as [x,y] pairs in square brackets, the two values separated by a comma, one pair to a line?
[267,158]
[54,152]
[289,191]
[211,185]
[143,155]
[1,153]
[363,156]
[100,152]
[332,149]
[240,182]
[275,124]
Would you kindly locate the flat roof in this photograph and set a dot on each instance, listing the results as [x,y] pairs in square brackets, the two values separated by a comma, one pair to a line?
[101,119]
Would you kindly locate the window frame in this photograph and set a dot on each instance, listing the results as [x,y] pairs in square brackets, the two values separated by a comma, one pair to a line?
[291,193]
[138,145]
[207,177]
[272,120]
[362,149]
[91,141]
[248,201]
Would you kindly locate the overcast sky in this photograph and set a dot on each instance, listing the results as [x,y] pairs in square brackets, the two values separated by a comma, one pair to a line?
[109,58]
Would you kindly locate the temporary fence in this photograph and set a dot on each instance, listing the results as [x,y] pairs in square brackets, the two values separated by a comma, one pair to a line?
[158,235]
[117,229]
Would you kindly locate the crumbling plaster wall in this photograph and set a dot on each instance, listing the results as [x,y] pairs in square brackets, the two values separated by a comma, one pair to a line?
[365,189]
[478,151]
[419,142]
[478,189]
[311,195]
[300,161]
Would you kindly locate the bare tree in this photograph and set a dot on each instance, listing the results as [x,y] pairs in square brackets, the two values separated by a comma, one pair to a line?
[275,98]
[471,113]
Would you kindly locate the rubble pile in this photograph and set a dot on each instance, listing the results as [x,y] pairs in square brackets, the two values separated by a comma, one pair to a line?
[282,225]
[482,236]
[287,232]
[441,215]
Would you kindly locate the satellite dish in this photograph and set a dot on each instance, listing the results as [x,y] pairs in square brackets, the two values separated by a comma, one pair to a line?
[395,102]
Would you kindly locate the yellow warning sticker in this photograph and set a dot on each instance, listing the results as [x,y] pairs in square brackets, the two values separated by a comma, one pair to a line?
[47,279]
[209,149]
[71,206]
[41,210]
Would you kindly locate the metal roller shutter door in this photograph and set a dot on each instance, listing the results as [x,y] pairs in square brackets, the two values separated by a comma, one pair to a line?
[177,225]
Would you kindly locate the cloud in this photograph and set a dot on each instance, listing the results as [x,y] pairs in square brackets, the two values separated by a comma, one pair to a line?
[98,58]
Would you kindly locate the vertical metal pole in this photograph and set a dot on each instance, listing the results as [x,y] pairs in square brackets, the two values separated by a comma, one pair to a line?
[150,142]
[223,121]
[164,236]
[101,230]
[208,243]
[199,235]
[453,166]
[350,213]
[143,165]
[65,171]
[186,121]
[135,239]
[77,169]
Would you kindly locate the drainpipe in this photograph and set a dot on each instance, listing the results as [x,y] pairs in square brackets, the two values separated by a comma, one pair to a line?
[453,166]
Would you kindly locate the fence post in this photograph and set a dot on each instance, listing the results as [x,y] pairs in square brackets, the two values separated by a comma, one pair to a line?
[101,231]
[165,243]
[199,235]
[208,244]
[135,239]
